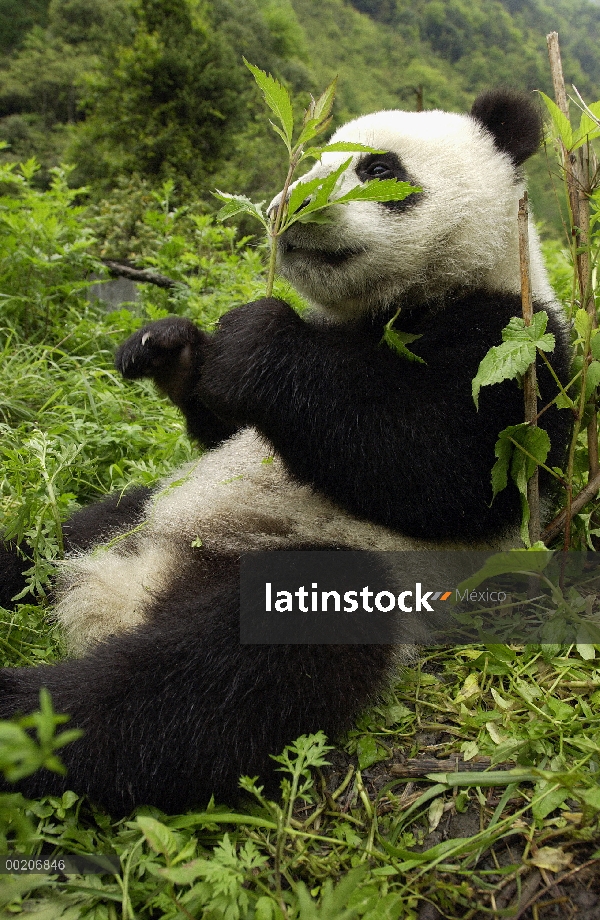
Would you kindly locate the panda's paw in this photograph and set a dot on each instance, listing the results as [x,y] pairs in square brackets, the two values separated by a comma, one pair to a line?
[159,348]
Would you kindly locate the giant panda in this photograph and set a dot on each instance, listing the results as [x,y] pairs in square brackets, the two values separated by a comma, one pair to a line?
[318,437]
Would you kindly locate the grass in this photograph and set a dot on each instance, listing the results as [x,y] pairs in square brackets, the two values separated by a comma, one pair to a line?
[472,790]
[468,842]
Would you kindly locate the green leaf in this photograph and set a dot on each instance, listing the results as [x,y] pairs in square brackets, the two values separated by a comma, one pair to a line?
[588,129]
[277,98]
[534,559]
[595,344]
[519,449]
[300,192]
[338,147]
[583,323]
[396,341]
[560,121]
[324,104]
[592,378]
[589,125]
[516,330]
[517,352]
[316,117]
[159,837]
[239,204]
[379,190]
[545,802]
[319,191]
[399,340]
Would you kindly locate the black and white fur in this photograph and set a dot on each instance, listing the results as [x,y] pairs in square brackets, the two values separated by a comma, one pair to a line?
[364,450]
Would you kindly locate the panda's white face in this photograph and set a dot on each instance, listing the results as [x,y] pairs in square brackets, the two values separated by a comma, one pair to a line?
[460,230]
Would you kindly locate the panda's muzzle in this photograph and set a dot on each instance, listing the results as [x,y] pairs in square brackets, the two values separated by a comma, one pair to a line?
[333,257]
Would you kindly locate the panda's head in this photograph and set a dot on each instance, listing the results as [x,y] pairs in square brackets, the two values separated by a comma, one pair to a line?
[459,231]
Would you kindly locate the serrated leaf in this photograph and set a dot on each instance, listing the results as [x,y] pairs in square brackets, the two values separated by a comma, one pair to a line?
[369,752]
[560,121]
[319,191]
[592,378]
[277,98]
[159,837]
[517,331]
[311,129]
[583,323]
[517,351]
[239,204]
[588,129]
[379,190]
[398,340]
[338,147]
[300,192]
[324,104]
[395,341]
[502,362]
[521,463]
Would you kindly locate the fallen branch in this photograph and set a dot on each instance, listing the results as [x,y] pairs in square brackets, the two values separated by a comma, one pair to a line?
[141,275]
[422,766]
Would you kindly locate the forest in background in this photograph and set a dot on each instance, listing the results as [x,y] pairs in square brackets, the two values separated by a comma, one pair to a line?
[133,92]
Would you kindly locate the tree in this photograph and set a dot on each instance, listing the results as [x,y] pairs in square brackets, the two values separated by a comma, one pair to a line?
[166,104]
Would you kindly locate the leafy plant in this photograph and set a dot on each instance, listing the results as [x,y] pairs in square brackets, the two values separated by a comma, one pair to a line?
[305,202]
[21,755]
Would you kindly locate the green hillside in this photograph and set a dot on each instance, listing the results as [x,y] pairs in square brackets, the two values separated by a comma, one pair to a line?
[145,90]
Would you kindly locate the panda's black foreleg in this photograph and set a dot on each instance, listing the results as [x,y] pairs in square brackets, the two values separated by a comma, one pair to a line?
[170,352]
[178,709]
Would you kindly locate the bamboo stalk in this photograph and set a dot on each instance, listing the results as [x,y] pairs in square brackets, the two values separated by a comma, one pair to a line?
[577,180]
[530,379]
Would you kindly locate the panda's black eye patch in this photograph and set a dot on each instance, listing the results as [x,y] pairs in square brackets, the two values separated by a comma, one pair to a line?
[381,166]
[386,166]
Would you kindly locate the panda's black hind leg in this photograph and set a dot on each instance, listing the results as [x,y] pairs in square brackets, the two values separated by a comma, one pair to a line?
[178,709]
[96,523]
[12,579]
[89,526]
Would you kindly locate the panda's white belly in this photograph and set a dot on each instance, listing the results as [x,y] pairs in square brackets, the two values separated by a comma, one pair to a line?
[233,499]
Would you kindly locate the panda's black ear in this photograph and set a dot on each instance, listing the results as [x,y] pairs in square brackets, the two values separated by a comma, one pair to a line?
[514,121]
